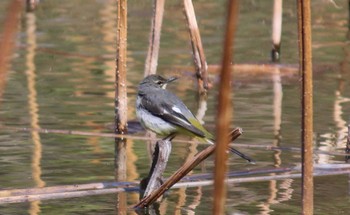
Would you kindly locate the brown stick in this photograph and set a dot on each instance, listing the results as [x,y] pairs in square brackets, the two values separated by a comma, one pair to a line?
[224,113]
[181,172]
[304,33]
[197,47]
[120,74]
[154,39]
[7,41]
[160,160]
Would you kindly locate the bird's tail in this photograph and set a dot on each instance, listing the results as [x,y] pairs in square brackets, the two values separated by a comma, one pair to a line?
[235,151]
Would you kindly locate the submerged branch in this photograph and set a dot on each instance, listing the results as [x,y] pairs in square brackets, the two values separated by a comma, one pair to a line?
[70,191]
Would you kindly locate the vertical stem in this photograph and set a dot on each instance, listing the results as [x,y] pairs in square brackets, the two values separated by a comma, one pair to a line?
[121,102]
[154,39]
[120,74]
[7,41]
[304,30]
[276,30]
[224,112]
[197,47]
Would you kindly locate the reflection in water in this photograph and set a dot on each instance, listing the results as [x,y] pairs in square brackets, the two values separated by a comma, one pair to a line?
[285,187]
[120,173]
[341,124]
[33,107]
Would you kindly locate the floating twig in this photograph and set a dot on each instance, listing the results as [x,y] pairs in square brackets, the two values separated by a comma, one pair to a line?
[70,191]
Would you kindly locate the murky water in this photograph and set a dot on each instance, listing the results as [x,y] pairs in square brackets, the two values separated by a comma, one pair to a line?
[62,77]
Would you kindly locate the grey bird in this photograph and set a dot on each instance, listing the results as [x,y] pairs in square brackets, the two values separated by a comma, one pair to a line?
[165,114]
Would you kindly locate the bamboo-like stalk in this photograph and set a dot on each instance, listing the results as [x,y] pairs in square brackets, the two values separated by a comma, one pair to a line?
[121,102]
[181,172]
[7,42]
[197,47]
[304,33]
[154,39]
[120,74]
[224,111]
[276,30]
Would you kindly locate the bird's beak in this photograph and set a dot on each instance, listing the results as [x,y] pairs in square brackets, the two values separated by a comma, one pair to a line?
[171,79]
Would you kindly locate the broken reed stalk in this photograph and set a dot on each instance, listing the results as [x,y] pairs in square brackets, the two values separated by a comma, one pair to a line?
[120,73]
[276,30]
[8,37]
[305,60]
[120,105]
[181,172]
[160,159]
[224,110]
[154,39]
[197,47]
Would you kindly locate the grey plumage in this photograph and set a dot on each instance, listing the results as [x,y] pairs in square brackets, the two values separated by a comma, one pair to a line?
[163,116]
[164,113]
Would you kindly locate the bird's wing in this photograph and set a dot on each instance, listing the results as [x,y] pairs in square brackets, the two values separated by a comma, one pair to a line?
[171,110]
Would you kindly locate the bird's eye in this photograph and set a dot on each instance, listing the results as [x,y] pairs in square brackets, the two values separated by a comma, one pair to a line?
[158,82]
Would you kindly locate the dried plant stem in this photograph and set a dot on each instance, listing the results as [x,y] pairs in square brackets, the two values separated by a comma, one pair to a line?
[224,111]
[120,74]
[154,39]
[160,160]
[305,56]
[197,47]
[276,30]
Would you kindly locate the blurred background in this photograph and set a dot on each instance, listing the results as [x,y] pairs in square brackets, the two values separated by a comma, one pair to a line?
[61,76]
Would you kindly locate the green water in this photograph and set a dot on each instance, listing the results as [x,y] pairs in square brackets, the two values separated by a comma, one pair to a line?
[62,77]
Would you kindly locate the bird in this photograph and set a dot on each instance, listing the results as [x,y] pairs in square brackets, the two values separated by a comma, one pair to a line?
[162,112]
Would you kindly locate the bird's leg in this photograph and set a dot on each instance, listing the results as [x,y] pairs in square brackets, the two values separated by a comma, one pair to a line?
[170,137]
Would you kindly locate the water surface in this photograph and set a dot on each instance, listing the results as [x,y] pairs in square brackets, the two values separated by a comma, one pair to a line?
[62,77]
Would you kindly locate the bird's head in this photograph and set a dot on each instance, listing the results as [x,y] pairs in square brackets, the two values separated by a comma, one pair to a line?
[156,81]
